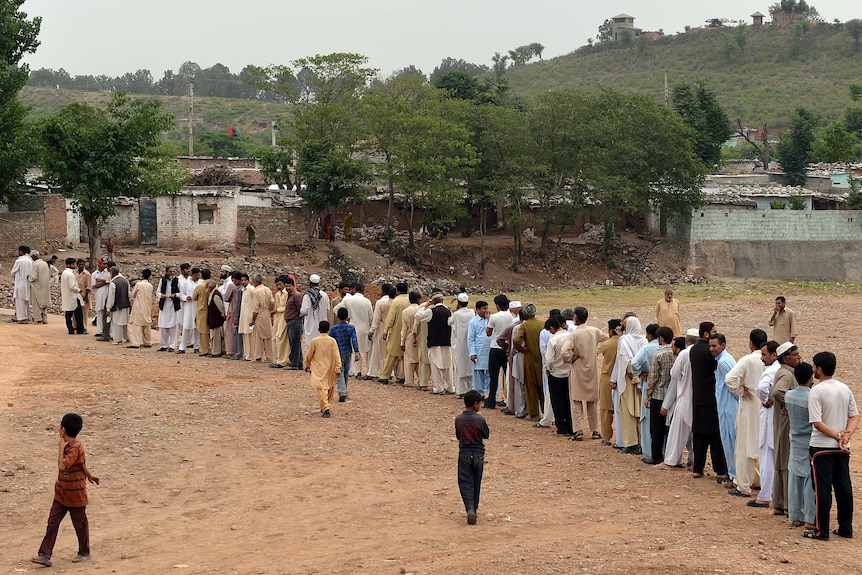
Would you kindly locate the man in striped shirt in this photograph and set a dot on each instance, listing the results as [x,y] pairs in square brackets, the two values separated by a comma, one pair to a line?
[658,381]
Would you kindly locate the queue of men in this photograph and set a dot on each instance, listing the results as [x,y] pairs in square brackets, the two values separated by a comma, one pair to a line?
[764,423]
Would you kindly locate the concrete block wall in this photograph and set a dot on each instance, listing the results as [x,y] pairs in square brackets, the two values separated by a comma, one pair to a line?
[178,218]
[275,225]
[733,223]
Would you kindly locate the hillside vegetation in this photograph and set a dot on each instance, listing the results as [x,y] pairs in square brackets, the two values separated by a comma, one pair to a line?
[772,71]
[763,77]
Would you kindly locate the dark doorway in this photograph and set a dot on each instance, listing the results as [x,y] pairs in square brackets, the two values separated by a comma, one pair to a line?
[148,223]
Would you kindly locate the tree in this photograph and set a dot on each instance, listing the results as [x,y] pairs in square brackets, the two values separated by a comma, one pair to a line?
[606,31]
[499,64]
[856,91]
[450,64]
[459,85]
[332,177]
[18,36]
[741,36]
[698,106]
[763,148]
[93,155]
[794,149]
[276,165]
[854,28]
[627,38]
[222,145]
[537,49]
[836,144]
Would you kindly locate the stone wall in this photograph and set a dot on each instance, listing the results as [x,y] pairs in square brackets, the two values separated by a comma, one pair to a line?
[125,226]
[749,224]
[32,220]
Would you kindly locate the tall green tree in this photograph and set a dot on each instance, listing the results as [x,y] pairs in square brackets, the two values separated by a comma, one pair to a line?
[836,144]
[698,106]
[795,146]
[93,155]
[18,37]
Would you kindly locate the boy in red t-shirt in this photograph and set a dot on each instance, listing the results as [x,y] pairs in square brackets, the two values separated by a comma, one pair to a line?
[70,492]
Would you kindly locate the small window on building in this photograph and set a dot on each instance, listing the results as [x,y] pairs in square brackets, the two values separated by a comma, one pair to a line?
[206,213]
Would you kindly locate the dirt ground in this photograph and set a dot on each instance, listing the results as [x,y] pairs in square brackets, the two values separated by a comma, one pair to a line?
[222,467]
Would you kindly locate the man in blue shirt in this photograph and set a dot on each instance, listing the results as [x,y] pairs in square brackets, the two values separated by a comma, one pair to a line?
[478,346]
[344,335]
[640,369]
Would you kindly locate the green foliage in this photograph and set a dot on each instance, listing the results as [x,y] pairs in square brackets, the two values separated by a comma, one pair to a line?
[626,38]
[795,147]
[698,106]
[332,177]
[459,85]
[795,202]
[856,89]
[835,144]
[853,120]
[854,29]
[777,205]
[221,145]
[276,165]
[18,37]
[452,64]
[606,31]
[93,155]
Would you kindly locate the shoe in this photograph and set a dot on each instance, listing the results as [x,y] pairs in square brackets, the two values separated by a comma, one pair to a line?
[522,416]
[162,349]
[540,426]
[402,381]
[756,503]
[384,381]
[342,398]
[737,493]
[275,366]
[844,535]
[326,414]
[608,443]
[779,511]
[649,461]
[133,346]
[41,560]
[633,450]
[471,517]
[504,411]
[147,345]
[501,404]
[596,435]
[812,534]
[197,351]
[207,355]
[181,351]
[71,333]
[80,558]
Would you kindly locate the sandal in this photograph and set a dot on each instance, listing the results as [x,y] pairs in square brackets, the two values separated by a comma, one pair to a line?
[738,493]
[577,436]
[839,534]
[596,435]
[756,503]
[797,523]
[696,475]
[812,534]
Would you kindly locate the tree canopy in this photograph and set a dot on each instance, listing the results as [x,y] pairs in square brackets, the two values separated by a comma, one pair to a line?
[93,155]
[796,145]
[18,37]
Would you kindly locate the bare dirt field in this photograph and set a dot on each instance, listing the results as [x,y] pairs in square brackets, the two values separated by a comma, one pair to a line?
[223,467]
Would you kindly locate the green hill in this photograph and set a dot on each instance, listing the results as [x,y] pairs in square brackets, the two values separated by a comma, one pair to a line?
[778,70]
[214,114]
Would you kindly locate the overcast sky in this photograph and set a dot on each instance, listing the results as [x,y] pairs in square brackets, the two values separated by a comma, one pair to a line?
[113,37]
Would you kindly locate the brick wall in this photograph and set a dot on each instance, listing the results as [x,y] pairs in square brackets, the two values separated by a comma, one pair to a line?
[275,225]
[21,228]
[179,218]
[55,217]
[125,226]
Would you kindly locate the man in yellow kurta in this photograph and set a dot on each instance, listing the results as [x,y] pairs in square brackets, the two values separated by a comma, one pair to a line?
[141,316]
[392,333]
[581,351]
[279,326]
[40,288]
[667,312]
[323,362]
[527,341]
[263,306]
[201,299]
[377,355]
[606,399]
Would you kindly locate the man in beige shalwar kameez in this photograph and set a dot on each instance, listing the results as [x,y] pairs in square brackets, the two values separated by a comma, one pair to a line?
[263,306]
[409,341]
[323,362]
[581,350]
[40,288]
[279,326]
[141,316]
[378,346]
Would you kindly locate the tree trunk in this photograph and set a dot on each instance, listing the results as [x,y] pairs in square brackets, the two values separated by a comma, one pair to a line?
[516,236]
[410,217]
[389,211]
[546,239]
[609,236]
[482,230]
[94,240]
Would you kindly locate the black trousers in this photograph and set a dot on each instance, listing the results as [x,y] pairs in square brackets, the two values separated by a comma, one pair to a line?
[471,464]
[657,429]
[706,434]
[830,469]
[558,387]
[78,314]
[294,339]
[497,361]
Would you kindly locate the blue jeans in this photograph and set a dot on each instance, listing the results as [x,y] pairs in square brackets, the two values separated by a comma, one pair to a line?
[471,463]
[346,362]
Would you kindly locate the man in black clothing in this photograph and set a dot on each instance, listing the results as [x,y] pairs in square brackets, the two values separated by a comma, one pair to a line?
[705,426]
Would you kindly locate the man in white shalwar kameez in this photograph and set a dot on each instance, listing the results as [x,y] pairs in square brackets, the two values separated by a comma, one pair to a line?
[119,306]
[769,356]
[170,309]
[314,308]
[40,288]
[742,381]
[680,426]
[460,322]
[361,315]
[21,270]
[189,334]
[100,280]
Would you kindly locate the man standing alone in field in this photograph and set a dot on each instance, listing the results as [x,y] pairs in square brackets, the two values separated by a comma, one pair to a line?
[783,321]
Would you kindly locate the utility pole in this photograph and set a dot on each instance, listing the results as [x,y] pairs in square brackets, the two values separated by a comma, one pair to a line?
[274,130]
[666,93]
[192,117]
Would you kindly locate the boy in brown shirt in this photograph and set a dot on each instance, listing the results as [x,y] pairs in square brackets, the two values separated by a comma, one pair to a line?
[70,492]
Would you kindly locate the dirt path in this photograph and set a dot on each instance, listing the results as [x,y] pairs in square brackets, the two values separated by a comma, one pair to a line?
[212,467]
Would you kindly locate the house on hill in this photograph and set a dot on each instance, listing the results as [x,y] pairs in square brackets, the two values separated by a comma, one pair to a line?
[757,19]
[622,22]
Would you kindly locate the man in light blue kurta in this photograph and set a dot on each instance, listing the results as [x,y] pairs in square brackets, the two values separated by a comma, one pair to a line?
[800,504]
[640,369]
[728,403]
[478,346]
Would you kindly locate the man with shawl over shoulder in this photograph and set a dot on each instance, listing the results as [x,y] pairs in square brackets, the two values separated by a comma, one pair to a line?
[315,308]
